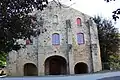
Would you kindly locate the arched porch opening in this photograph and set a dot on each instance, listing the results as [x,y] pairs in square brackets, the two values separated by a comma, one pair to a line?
[81,68]
[55,65]
[30,70]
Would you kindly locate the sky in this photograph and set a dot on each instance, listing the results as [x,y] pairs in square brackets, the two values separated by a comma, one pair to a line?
[95,7]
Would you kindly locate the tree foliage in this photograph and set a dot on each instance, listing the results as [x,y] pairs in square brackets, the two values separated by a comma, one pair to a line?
[15,23]
[116,13]
[108,37]
[114,62]
[3,56]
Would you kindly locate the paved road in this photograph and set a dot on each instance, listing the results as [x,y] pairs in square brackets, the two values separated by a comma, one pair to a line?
[98,76]
[111,78]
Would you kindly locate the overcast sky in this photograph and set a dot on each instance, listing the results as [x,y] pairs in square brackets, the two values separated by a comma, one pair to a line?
[95,7]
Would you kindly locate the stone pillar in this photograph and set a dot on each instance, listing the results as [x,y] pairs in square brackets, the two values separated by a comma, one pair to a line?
[95,48]
[41,64]
[71,61]
[69,47]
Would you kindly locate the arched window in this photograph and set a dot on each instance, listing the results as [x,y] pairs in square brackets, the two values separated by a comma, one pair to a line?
[55,19]
[55,39]
[78,21]
[27,41]
[80,38]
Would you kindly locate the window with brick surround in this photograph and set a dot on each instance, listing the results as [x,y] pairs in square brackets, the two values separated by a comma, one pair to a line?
[55,39]
[80,38]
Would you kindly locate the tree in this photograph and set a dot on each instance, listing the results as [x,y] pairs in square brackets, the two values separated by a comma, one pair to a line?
[15,23]
[3,56]
[114,62]
[116,12]
[108,37]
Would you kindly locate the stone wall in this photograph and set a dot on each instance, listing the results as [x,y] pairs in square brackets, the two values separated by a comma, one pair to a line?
[42,47]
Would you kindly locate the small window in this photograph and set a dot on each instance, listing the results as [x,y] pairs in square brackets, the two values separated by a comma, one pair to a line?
[55,19]
[27,42]
[55,39]
[78,21]
[80,38]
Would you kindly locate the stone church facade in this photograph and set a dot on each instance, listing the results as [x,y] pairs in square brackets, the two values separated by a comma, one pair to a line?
[69,45]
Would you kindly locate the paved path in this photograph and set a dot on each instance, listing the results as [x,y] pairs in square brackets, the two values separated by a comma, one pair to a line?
[111,78]
[98,76]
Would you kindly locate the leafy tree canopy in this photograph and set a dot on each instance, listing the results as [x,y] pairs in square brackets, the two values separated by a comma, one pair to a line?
[114,62]
[108,37]
[15,23]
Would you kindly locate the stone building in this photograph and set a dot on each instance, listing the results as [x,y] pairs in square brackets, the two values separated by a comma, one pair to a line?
[69,45]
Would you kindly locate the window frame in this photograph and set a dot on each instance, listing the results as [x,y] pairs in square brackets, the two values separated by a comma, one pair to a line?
[55,19]
[54,42]
[80,23]
[79,43]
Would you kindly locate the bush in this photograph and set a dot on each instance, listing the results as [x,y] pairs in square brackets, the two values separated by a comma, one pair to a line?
[114,61]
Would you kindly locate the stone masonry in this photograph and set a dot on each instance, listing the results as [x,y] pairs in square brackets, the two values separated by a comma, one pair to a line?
[72,53]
